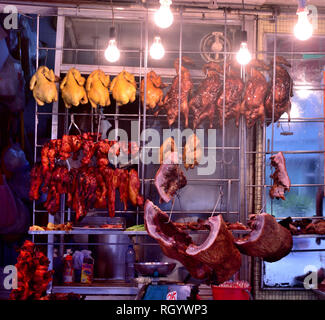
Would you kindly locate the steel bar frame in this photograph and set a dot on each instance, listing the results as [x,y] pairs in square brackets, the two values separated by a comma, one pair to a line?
[141,71]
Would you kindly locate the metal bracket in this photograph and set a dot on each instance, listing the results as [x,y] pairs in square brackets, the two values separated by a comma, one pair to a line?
[213,4]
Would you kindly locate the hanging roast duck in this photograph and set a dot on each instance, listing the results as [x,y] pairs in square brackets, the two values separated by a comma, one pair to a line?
[170,103]
[203,103]
[283,90]
[72,87]
[154,90]
[256,88]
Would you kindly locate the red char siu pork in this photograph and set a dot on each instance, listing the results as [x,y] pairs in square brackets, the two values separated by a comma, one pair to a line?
[268,239]
[281,180]
[218,251]
[283,90]
[169,177]
[173,241]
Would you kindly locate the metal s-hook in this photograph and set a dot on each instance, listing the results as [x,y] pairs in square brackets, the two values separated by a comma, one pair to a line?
[218,201]
[223,159]
[72,123]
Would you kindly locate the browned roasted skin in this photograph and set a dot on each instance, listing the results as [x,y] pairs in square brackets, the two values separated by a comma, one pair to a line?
[281,180]
[255,92]
[268,239]
[203,103]
[218,251]
[36,181]
[154,93]
[234,90]
[283,90]
[170,103]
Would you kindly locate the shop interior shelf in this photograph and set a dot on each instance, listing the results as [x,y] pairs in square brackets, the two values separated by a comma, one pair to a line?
[112,287]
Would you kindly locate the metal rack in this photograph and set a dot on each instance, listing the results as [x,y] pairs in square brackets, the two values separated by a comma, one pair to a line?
[143,18]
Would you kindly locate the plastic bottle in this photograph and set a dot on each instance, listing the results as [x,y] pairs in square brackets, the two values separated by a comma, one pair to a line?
[87,269]
[129,263]
[68,267]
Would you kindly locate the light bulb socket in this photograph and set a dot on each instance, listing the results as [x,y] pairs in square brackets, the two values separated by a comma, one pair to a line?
[112,33]
[243,36]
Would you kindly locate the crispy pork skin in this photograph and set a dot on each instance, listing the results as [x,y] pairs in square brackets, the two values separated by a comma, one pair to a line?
[172,240]
[169,177]
[268,239]
[218,251]
[281,180]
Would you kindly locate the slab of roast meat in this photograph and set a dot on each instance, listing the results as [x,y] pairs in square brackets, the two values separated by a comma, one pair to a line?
[169,177]
[283,90]
[281,180]
[218,251]
[203,102]
[268,239]
[172,240]
[170,102]
[255,92]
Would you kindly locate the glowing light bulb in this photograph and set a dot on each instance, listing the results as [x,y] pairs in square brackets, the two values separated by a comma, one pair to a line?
[163,16]
[157,50]
[303,29]
[112,53]
[243,56]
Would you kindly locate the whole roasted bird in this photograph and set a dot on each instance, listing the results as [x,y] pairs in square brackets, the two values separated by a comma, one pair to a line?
[234,90]
[124,88]
[154,90]
[43,86]
[192,153]
[171,100]
[72,87]
[283,90]
[256,88]
[203,103]
[97,89]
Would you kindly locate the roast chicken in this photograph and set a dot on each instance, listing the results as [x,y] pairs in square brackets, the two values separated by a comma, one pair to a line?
[192,153]
[154,90]
[124,88]
[203,103]
[43,86]
[97,89]
[166,149]
[171,100]
[283,90]
[72,87]
[252,106]
[234,90]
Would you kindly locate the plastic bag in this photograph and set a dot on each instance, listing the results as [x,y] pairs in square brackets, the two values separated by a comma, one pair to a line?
[14,159]
[8,207]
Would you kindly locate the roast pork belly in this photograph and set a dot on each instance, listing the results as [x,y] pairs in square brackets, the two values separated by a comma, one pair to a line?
[173,241]
[169,177]
[268,239]
[281,180]
[218,251]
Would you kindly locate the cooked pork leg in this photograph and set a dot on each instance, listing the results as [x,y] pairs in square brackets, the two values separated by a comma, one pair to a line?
[268,239]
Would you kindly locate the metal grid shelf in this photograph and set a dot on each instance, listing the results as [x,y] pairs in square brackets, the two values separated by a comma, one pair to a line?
[115,232]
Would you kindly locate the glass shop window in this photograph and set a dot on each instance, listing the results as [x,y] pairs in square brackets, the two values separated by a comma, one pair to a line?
[302,141]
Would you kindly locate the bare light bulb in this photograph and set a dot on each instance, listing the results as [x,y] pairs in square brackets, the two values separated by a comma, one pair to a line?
[243,56]
[112,53]
[163,16]
[157,50]
[303,29]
